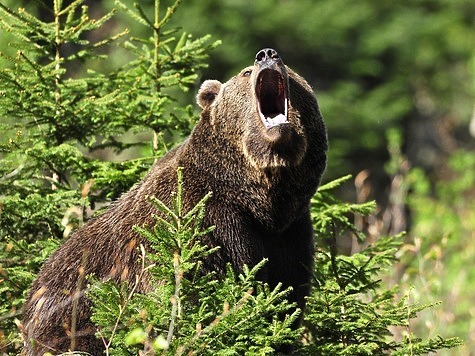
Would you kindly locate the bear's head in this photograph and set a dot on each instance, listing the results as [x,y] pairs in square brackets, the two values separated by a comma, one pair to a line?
[267,111]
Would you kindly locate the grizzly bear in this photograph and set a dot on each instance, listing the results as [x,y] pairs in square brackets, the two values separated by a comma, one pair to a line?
[259,147]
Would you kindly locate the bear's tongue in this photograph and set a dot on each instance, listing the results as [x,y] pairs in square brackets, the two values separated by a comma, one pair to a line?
[272,99]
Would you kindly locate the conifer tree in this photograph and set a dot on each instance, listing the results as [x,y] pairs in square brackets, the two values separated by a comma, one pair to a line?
[54,118]
[351,311]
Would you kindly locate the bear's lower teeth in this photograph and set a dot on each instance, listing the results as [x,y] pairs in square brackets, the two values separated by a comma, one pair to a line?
[280,118]
[275,121]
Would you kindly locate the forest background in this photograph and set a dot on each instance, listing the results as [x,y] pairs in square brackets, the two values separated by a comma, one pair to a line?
[396,84]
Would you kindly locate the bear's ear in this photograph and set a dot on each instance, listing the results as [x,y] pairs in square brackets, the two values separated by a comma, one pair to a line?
[207,93]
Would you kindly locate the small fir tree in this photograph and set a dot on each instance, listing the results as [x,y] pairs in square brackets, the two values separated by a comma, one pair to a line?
[189,311]
[350,310]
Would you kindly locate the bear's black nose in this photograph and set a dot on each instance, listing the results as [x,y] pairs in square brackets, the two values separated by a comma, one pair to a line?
[267,55]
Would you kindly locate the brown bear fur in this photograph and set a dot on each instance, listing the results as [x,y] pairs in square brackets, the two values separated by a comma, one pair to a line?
[262,180]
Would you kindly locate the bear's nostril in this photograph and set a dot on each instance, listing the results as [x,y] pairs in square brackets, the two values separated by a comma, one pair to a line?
[260,56]
[266,54]
[272,54]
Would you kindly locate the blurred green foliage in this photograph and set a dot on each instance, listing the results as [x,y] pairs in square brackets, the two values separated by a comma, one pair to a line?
[443,230]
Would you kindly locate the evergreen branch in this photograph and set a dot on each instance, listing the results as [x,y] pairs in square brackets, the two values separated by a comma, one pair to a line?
[10,12]
[50,165]
[208,329]
[34,66]
[176,297]
[131,13]
[33,22]
[181,41]
[71,15]
[12,173]
[170,11]
[8,75]
[17,31]
[21,18]
[78,29]
[334,183]
[164,209]
[143,15]
[70,9]
[110,39]
[55,183]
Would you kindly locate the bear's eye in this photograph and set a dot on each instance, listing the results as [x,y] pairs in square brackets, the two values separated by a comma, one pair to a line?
[247,73]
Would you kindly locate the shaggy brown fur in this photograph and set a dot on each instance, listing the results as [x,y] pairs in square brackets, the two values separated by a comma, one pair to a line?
[262,177]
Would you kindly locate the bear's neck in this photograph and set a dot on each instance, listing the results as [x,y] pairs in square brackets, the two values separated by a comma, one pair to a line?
[280,192]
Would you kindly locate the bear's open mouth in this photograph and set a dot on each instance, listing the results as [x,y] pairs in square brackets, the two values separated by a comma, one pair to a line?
[272,97]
